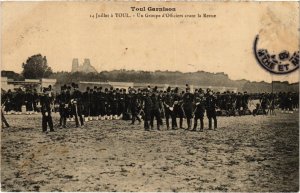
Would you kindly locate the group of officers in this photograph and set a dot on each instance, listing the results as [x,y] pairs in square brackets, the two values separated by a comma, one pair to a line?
[149,104]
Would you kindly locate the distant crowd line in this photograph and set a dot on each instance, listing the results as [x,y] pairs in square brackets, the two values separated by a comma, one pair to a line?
[147,104]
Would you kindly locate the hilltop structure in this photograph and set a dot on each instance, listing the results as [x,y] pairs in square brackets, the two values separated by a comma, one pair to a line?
[86,67]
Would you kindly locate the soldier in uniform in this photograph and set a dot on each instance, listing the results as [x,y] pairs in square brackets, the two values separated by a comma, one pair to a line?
[29,101]
[95,103]
[147,107]
[93,108]
[68,93]
[98,101]
[109,103]
[19,100]
[106,102]
[76,106]
[101,99]
[86,103]
[35,101]
[121,105]
[46,110]
[239,102]
[168,101]
[63,106]
[188,106]
[199,110]
[156,109]
[134,105]
[127,110]
[8,98]
[178,110]
[211,109]
[114,104]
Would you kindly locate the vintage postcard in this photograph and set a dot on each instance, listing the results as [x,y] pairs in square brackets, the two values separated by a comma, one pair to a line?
[150,96]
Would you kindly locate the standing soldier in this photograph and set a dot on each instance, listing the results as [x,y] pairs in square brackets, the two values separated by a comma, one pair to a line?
[19,101]
[178,110]
[101,104]
[114,104]
[156,109]
[46,110]
[188,106]
[109,103]
[86,103]
[8,98]
[63,106]
[68,93]
[239,103]
[92,104]
[76,106]
[147,107]
[128,96]
[29,101]
[35,101]
[199,111]
[95,103]
[106,102]
[211,109]
[134,105]
[168,102]
[98,101]
[121,106]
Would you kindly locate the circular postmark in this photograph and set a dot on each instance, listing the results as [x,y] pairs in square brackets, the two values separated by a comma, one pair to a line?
[283,62]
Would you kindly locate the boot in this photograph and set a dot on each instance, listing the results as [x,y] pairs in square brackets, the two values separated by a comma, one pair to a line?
[188,123]
[180,123]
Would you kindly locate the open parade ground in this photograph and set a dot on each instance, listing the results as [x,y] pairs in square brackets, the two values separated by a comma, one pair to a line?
[245,153]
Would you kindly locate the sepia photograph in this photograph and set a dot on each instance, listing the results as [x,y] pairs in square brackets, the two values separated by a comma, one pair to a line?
[115,96]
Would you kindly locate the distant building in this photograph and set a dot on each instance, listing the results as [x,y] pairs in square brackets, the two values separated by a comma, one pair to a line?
[37,84]
[86,67]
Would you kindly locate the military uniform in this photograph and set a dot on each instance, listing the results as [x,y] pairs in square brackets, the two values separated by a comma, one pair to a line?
[86,103]
[135,107]
[147,107]
[168,102]
[199,111]
[76,106]
[155,111]
[8,98]
[63,101]
[188,107]
[29,101]
[121,106]
[46,111]
[211,110]
[102,101]
[68,95]
[178,110]
[114,103]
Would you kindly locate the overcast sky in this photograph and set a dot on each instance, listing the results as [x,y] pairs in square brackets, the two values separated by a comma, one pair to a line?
[63,31]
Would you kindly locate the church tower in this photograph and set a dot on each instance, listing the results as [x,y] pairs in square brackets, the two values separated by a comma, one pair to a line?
[75,65]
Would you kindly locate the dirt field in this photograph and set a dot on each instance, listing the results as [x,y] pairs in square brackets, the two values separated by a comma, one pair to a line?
[245,154]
